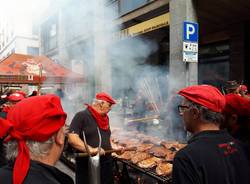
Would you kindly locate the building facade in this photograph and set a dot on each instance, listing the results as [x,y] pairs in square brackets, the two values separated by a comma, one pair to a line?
[223,40]
[24,40]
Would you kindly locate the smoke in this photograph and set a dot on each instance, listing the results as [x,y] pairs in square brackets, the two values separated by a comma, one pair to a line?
[124,67]
[20,15]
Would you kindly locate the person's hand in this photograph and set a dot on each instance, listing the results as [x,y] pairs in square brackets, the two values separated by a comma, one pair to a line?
[120,151]
[102,151]
[94,151]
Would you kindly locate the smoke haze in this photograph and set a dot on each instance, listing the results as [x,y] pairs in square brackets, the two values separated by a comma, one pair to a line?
[87,38]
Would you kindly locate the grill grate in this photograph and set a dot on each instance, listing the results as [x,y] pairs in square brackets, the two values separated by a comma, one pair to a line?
[149,172]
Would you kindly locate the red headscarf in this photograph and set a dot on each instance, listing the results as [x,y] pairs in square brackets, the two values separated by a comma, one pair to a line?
[102,121]
[35,118]
[205,95]
[236,104]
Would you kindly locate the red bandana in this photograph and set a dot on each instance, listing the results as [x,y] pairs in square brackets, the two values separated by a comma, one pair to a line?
[34,118]
[102,121]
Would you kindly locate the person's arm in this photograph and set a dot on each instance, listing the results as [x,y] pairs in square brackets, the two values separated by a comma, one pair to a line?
[75,130]
[76,142]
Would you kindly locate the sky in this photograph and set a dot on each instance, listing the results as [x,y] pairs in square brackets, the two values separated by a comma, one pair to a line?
[22,11]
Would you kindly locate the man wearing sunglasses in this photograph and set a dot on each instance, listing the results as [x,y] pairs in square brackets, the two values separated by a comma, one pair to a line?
[212,155]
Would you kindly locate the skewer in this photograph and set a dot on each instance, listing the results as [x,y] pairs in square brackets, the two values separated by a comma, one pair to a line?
[143,119]
[106,152]
[151,97]
[147,90]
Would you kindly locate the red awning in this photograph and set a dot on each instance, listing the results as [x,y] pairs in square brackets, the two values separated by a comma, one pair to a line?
[25,69]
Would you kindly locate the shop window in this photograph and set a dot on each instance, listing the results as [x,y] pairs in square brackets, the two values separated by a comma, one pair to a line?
[214,64]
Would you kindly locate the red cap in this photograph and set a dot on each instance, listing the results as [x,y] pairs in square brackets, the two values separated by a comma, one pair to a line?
[21,92]
[15,97]
[236,104]
[106,97]
[35,118]
[205,95]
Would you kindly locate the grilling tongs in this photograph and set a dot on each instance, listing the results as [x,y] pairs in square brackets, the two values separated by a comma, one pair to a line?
[94,161]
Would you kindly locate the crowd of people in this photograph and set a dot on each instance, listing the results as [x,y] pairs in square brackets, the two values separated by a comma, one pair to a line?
[212,154]
[32,132]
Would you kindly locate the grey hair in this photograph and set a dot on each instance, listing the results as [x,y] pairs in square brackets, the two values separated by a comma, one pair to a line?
[208,115]
[96,101]
[36,149]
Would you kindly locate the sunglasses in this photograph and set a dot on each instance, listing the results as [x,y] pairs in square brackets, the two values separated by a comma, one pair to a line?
[182,108]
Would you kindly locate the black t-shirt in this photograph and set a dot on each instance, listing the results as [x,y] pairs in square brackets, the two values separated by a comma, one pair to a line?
[84,121]
[212,157]
[3,160]
[38,173]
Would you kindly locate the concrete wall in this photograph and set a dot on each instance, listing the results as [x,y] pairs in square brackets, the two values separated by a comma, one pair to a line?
[181,74]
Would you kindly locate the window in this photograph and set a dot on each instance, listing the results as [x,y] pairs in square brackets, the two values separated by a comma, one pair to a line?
[214,64]
[35,29]
[52,36]
[127,6]
[49,34]
[52,30]
[34,51]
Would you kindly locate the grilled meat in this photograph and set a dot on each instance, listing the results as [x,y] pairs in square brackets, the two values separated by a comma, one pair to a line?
[149,163]
[172,145]
[158,151]
[144,147]
[170,155]
[180,146]
[169,144]
[139,156]
[164,169]
[115,145]
[127,155]
[128,142]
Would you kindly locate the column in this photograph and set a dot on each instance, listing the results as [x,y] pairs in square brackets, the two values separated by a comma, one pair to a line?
[180,74]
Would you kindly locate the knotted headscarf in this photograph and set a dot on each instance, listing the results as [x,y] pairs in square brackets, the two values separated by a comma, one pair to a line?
[35,118]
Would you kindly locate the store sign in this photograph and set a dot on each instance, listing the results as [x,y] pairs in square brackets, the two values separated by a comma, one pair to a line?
[144,27]
[190,42]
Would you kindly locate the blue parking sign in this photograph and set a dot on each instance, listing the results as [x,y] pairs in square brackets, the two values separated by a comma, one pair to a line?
[190,31]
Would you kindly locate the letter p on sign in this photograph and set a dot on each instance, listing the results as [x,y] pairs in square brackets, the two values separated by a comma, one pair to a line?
[190,32]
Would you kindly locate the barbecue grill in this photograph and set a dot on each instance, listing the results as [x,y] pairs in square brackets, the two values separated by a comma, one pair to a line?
[149,172]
